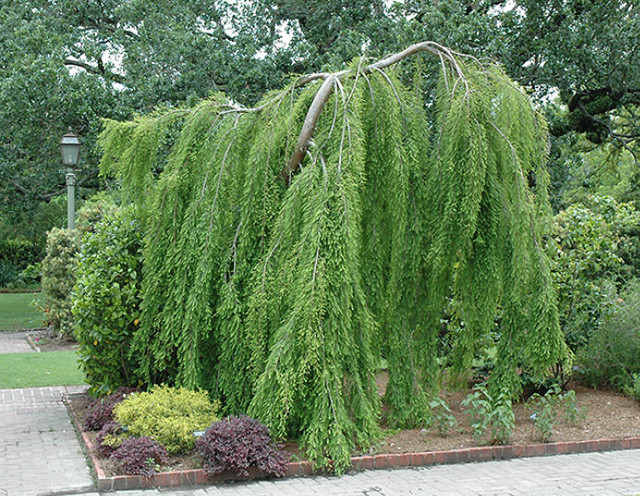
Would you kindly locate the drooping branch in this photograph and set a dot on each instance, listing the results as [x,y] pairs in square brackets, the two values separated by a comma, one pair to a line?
[310,121]
[324,92]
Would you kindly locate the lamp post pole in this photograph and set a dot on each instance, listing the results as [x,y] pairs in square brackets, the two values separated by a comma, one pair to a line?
[70,176]
[70,148]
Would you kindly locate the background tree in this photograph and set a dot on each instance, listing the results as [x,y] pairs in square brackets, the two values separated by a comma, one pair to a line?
[71,62]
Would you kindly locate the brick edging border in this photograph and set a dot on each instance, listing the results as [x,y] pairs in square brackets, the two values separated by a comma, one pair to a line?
[195,477]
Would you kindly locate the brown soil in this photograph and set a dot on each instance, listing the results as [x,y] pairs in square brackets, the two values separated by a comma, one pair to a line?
[607,415]
[47,340]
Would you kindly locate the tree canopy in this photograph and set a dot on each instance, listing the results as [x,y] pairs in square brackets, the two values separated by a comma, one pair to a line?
[68,63]
[291,245]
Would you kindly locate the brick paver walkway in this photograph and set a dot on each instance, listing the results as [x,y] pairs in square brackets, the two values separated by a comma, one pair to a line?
[614,473]
[14,342]
[39,451]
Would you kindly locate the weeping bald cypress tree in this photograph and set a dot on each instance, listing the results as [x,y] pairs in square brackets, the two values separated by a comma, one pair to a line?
[292,245]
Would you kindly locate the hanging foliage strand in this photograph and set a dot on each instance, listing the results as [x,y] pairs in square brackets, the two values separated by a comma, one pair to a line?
[292,246]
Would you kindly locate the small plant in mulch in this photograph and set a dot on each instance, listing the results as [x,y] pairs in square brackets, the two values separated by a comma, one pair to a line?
[140,456]
[100,410]
[238,443]
[545,410]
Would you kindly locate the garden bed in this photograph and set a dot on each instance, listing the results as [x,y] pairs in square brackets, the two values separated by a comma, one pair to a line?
[611,421]
[46,339]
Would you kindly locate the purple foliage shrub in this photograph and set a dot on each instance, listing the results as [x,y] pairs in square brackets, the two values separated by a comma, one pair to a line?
[100,410]
[111,428]
[238,443]
[139,456]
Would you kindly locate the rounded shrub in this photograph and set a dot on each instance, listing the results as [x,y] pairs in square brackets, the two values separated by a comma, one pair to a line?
[58,278]
[106,300]
[167,414]
[139,456]
[238,443]
[612,355]
[100,411]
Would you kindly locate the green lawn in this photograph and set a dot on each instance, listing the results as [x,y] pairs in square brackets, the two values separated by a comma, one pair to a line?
[54,368]
[18,312]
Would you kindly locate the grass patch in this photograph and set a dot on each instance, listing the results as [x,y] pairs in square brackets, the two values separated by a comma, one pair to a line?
[17,311]
[56,368]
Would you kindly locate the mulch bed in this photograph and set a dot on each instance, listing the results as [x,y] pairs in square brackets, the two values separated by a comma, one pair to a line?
[612,421]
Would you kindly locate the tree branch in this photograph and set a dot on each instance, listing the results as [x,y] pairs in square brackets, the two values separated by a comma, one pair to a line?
[324,93]
[623,139]
[99,70]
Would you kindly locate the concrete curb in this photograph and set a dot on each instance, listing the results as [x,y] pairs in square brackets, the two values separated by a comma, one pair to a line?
[188,478]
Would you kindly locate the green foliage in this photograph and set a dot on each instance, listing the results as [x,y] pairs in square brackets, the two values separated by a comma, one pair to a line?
[16,255]
[492,416]
[442,416]
[74,62]
[633,389]
[93,210]
[612,355]
[281,296]
[168,415]
[58,278]
[106,300]
[545,410]
[593,248]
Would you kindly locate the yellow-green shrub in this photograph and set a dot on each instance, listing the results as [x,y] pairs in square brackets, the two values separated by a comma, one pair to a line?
[168,415]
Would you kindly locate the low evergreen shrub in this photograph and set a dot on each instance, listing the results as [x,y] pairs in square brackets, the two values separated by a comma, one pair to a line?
[238,443]
[139,456]
[109,438]
[16,255]
[633,389]
[100,410]
[168,415]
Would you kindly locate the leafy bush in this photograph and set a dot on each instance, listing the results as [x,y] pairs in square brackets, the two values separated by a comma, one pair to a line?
[168,415]
[545,410]
[239,443]
[109,438]
[58,278]
[15,256]
[612,355]
[489,415]
[139,456]
[106,300]
[100,410]
[8,275]
[442,416]
[93,210]
[32,273]
[633,389]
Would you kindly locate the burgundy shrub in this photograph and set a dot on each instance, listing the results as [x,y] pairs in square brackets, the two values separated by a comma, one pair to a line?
[100,410]
[239,443]
[111,428]
[139,455]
